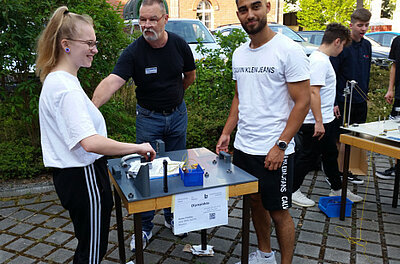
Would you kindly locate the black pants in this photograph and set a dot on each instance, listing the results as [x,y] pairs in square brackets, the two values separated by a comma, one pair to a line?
[310,149]
[86,193]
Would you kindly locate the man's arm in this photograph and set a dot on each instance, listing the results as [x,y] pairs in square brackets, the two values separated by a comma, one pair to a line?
[390,93]
[300,93]
[106,88]
[188,78]
[319,129]
[231,122]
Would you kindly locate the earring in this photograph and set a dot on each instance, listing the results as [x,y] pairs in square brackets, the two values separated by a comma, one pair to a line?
[67,50]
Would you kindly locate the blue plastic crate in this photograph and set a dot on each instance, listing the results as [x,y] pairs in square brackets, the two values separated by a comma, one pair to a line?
[331,206]
[194,177]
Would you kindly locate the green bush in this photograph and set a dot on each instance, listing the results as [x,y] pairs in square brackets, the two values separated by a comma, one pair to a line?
[378,85]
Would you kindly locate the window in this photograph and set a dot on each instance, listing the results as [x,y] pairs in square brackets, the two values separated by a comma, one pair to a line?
[204,13]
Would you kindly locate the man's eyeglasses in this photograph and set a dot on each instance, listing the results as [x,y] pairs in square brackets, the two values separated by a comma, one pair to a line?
[90,43]
[151,21]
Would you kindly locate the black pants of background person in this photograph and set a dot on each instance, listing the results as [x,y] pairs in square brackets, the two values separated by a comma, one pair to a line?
[86,193]
[358,115]
[309,152]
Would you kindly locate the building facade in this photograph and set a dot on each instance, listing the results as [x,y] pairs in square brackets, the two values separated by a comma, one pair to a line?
[213,13]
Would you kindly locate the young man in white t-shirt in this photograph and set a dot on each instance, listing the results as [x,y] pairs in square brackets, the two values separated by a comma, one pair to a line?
[271,100]
[317,134]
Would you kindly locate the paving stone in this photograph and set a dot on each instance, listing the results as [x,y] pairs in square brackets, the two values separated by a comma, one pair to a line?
[347,222]
[338,242]
[393,252]
[303,260]
[217,258]
[20,244]
[369,236]
[238,249]
[391,218]
[392,228]
[58,238]
[315,216]
[393,261]
[178,252]
[56,222]
[236,213]
[307,249]
[337,256]
[392,239]
[39,250]
[338,230]
[227,232]
[313,226]
[310,237]
[20,228]
[220,244]
[21,214]
[5,238]
[4,255]
[37,219]
[364,258]
[173,261]
[151,258]
[370,249]
[37,206]
[6,223]
[54,209]
[5,212]
[39,233]
[21,260]
[52,196]
[72,244]
[368,225]
[69,227]
[159,245]
[60,255]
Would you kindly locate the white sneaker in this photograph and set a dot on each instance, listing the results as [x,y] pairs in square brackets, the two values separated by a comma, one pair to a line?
[300,199]
[352,197]
[256,257]
[145,239]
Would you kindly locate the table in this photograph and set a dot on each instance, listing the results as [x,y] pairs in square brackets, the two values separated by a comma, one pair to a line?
[219,172]
[379,137]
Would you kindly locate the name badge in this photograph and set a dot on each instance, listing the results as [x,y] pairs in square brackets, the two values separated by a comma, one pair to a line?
[151,70]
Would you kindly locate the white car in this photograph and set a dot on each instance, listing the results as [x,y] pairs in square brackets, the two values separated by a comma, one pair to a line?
[189,29]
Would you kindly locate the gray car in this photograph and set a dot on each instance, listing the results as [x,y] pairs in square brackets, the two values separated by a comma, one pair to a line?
[380,54]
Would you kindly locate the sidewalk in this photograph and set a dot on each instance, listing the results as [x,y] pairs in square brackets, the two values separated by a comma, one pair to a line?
[34,228]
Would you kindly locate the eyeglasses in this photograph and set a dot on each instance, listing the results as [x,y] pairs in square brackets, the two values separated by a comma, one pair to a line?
[90,43]
[151,21]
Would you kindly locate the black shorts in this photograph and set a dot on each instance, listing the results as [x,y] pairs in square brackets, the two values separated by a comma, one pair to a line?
[275,187]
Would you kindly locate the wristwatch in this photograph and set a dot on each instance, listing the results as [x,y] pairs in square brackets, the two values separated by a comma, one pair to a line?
[282,145]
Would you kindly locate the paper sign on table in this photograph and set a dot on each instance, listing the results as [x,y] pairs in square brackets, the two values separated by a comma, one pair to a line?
[200,210]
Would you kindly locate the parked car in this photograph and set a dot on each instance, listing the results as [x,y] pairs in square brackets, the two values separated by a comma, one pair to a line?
[384,37]
[189,29]
[380,54]
[282,29]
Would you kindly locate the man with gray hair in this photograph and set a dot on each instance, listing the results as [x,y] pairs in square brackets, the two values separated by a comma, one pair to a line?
[162,66]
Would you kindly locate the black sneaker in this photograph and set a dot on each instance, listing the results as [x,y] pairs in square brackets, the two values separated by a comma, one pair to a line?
[352,178]
[387,174]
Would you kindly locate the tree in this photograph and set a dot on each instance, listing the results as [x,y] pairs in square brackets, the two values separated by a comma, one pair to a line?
[316,14]
[21,22]
[388,7]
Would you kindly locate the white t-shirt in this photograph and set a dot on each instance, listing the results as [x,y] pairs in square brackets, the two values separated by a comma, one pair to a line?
[67,116]
[322,73]
[262,75]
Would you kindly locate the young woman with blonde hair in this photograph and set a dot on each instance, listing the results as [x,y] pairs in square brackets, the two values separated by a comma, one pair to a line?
[73,132]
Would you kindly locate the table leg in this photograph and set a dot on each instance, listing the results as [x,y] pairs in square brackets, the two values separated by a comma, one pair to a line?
[245,229]
[346,162]
[137,219]
[120,227]
[396,185]
[203,239]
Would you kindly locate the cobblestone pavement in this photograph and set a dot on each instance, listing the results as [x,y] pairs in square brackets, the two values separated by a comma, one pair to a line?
[34,228]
